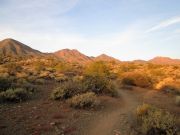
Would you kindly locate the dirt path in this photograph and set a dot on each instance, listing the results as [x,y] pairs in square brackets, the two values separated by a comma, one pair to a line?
[116,119]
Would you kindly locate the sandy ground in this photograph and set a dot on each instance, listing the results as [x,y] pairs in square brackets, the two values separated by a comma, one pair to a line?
[42,116]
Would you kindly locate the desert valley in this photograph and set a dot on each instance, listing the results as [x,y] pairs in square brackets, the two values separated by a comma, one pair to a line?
[69,93]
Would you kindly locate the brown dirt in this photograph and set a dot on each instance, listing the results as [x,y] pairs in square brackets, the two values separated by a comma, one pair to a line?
[42,116]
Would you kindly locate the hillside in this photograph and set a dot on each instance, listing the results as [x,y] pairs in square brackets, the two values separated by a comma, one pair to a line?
[106,58]
[11,47]
[164,60]
[72,56]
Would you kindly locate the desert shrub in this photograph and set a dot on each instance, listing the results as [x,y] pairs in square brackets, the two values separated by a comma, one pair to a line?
[111,89]
[128,81]
[178,100]
[97,69]
[86,100]
[95,83]
[39,66]
[32,79]
[142,110]
[24,84]
[39,81]
[61,79]
[169,85]
[5,83]
[97,79]
[154,121]
[136,79]
[99,85]
[66,90]
[13,68]
[14,95]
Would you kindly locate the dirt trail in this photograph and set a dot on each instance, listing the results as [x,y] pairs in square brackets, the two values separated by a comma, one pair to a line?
[116,119]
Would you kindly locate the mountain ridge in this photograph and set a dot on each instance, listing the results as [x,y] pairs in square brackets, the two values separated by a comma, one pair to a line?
[11,47]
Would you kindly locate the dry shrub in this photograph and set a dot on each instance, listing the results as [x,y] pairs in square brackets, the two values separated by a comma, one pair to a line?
[86,100]
[111,89]
[169,85]
[136,79]
[99,85]
[14,95]
[66,90]
[40,81]
[154,121]
[142,110]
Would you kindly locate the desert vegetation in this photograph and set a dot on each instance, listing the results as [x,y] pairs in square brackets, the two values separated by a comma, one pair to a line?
[155,121]
[94,85]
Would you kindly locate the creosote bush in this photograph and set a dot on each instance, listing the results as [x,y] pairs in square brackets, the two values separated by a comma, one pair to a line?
[154,121]
[86,100]
[14,95]
[66,90]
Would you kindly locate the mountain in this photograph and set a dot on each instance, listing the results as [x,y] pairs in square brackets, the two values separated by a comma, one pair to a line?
[11,47]
[106,58]
[164,60]
[72,56]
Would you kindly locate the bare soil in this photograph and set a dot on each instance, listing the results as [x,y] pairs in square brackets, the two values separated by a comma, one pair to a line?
[42,116]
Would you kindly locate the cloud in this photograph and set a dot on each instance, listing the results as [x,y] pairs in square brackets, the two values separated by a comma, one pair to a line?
[164,24]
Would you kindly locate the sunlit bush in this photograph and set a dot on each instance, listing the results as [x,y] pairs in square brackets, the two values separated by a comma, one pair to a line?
[136,79]
[169,85]
[86,100]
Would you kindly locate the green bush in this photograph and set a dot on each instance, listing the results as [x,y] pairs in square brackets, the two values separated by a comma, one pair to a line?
[86,100]
[14,95]
[99,85]
[66,90]
[95,83]
[155,121]
[97,79]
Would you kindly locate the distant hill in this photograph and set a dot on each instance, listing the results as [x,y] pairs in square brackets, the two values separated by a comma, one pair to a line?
[164,60]
[139,61]
[72,56]
[14,48]
[106,58]
[11,47]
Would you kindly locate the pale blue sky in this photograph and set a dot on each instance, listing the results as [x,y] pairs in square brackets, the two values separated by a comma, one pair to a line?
[124,29]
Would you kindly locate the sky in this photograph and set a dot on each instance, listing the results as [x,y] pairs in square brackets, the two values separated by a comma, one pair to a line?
[124,29]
